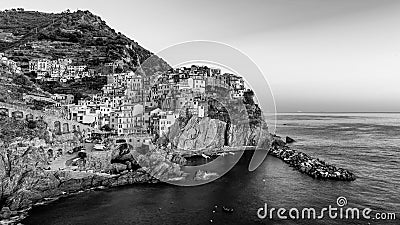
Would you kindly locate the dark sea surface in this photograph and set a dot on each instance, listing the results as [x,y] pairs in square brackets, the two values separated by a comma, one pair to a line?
[367,144]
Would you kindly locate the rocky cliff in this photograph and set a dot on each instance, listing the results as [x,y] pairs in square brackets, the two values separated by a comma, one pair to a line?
[198,134]
[206,135]
[26,176]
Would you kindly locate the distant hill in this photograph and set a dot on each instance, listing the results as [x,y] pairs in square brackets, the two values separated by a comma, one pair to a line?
[80,35]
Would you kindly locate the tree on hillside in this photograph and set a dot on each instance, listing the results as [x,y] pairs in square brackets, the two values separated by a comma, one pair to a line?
[248,97]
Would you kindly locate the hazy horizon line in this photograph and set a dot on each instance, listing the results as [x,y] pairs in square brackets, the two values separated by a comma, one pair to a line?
[341,112]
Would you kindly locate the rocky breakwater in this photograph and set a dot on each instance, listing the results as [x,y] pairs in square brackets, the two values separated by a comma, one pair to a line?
[306,164]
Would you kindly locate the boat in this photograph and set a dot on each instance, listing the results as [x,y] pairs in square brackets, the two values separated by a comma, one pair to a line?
[227,210]
[205,156]
[99,147]
[222,154]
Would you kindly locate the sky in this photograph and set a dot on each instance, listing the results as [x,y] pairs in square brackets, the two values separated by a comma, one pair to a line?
[317,55]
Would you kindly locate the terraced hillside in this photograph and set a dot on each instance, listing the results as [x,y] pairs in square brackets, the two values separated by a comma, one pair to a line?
[80,35]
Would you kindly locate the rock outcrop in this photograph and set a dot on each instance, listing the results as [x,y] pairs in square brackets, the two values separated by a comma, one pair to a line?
[23,191]
[206,134]
[27,178]
[124,155]
[198,134]
[245,135]
[289,140]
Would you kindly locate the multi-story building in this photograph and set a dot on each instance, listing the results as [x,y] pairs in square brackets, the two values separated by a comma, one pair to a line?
[59,69]
[85,115]
[63,99]
[163,89]
[197,84]
[12,65]
[114,121]
[135,83]
[166,119]
[236,82]
[104,115]
[130,119]
[39,65]
[74,69]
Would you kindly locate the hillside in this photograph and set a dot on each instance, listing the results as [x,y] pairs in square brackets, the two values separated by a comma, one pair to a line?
[80,35]
[13,86]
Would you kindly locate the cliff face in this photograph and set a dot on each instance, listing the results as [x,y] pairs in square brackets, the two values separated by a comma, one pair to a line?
[202,134]
[240,135]
[20,163]
[245,135]
[198,134]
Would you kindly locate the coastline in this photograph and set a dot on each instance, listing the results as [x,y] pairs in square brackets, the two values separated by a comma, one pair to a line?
[127,166]
[80,184]
[74,182]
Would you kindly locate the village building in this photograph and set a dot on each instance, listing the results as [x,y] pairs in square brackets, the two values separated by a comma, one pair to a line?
[130,119]
[84,114]
[63,99]
[197,84]
[166,119]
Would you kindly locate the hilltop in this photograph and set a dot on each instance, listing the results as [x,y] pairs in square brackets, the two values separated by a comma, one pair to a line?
[81,36]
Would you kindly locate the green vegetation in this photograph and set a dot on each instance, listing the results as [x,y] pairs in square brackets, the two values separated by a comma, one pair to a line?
[12,86]
[10,128]
[80,35]
[79,88]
